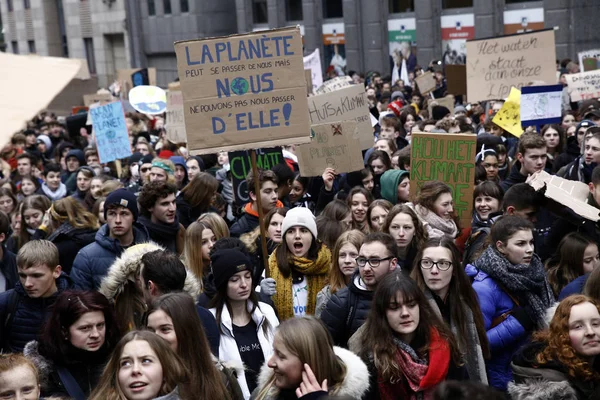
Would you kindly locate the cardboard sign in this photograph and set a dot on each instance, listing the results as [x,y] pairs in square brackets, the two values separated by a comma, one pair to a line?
[112,139]
[449,158]
[426,82]
[146,99]
[588,54]
[309,84]
[447,102]
[243,91]
[346,104]
[240,166]
[584,85]
[333,145]
[334,84]
[175,123]
[89,99]
[126,76]
[495,65]
[312,62]
[590,64]
[541,105]
[456,79]
[509,116]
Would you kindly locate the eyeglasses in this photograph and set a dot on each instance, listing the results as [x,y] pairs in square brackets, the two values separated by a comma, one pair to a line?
[145,169]
[442,265]
[373,262]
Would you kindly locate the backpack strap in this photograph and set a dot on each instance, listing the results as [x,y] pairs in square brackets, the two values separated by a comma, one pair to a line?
[11,307]
[70,383]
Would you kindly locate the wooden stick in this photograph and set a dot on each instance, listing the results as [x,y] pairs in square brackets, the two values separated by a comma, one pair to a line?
[261,215]
[119,168]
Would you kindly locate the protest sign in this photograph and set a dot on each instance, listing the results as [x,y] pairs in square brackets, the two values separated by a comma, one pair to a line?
[312,62]
[509,116]
[588,55]
[112,139]
[332,145]
[240,166]
[541,105]
[345,104]
[456,79]
[495,65]
[584,85]
[27,88]
[334,84]
[590,64]
[449,158]
[447,102]
[126,79]
[89,99]
[426,82]
[309,84]
[175,123]
[150,100]
[243,91]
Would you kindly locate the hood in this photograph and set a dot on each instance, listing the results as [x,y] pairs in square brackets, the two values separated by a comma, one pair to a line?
[541,390]
[357,284]
[44,366]
[125,267]
[78,154]
[515,175]
[572,146]
[354,385]
[389,182]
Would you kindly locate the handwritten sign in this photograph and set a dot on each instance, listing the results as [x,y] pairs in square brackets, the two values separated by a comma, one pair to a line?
[333,145]
[447,102]
[497,64]
[240,166]
[584,85]
[456,79]
[243,91]
[588,55]
[334,84]
[345,104]
[426,82]
[150,100]
[175,122]
[109,126]
[449,158]
[509,116]
[312,62]
[541,105]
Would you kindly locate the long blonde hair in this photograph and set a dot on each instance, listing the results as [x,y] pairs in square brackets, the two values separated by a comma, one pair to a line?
[69,209]
[337,280]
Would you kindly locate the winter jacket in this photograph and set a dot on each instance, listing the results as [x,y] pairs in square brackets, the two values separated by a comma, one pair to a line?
[514,177]
[568,156]
[347,310]
[228,347]
[93,261]
[354,385]
[506,337]
[247,222]
[69,241]
[86,373]
[186,213]
[389,181]
[574,287]
[8,268]
[546,381]
[323,298]
[24,324]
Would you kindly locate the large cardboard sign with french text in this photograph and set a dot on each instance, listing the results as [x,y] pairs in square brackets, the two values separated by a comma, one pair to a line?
[495,65]
[449,158]
[243,91]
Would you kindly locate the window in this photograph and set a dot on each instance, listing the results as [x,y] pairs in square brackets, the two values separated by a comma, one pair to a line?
[293,10]
[259,12]
[332,9]
[517,1]
[9,5]
[88,43]
[167,6]
[457,3]
[26,4]
[401,6]
[184,5]
[15,47]
[151,7]
[31,45]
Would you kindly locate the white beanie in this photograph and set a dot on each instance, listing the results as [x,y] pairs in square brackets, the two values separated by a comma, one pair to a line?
[300,216]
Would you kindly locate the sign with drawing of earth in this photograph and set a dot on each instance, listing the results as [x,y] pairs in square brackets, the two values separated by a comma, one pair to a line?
[150,100]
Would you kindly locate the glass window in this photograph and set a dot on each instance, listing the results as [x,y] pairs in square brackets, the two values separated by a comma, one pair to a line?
[184,5]
[15,47]
[151,7]
[26,4]
[401,6]
[167,6]
[293,10]
[332,9]
[259,12]
[9,5]
[457,3]
[31,45]
[88,43]
[518,1]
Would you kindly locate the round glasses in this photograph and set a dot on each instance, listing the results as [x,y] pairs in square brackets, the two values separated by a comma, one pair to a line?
[442,265]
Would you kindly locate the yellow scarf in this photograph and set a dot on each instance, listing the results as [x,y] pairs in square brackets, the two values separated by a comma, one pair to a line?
[315,272]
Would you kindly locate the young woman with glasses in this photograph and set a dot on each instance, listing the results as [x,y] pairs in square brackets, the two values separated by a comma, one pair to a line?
[439,274]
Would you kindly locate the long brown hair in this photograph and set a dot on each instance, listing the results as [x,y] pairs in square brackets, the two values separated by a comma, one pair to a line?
[174,370]
[429,193]
[337,280]
[365,228]
[37,202]
[567,263]
[329,222]
[460,293]
[192,254]
[192,347]
[420,235]
[70,210]
[200,191]
[284,256]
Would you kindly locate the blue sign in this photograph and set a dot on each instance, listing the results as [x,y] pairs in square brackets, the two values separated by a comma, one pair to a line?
[112,139]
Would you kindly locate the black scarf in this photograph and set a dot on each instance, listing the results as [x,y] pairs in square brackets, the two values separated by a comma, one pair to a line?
[163,234]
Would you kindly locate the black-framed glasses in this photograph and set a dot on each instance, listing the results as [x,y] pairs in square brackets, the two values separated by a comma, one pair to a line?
[373,262]
[442,265]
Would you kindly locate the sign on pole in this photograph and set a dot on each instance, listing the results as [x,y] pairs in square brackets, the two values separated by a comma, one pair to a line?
[541,105]
[312,62]
[426,82]
[112,139]
[449,158]
[243,91]
[175,123]
[495,65]
[240,166]
[584,85]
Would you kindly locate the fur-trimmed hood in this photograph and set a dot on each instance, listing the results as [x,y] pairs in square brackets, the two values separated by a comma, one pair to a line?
[355,384]
[127,265]
[44,366]
[550,311]
[541,390]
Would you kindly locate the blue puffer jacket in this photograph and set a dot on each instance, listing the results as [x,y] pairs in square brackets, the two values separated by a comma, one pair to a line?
[29,315]
[93,261]
[506,337]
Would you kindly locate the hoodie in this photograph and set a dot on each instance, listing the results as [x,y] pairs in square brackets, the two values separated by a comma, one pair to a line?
[389,181]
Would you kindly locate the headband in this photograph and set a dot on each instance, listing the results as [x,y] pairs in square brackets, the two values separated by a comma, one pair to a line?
[162,165]
[484,152]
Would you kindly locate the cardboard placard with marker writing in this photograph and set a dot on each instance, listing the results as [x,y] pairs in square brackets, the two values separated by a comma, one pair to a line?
[584,85]
[333,145]
[426,82]
[175,123]
[449,158]
[243,91]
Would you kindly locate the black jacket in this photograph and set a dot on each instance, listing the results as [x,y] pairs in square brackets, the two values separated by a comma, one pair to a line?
[8,268]
[246,223]
[514,177]
[347,310]
[568,156]
[69,241]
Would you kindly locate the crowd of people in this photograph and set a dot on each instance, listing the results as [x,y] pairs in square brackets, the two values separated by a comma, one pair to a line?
[149,281]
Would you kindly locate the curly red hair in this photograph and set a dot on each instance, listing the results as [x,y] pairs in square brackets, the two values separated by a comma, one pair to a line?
[558,343]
